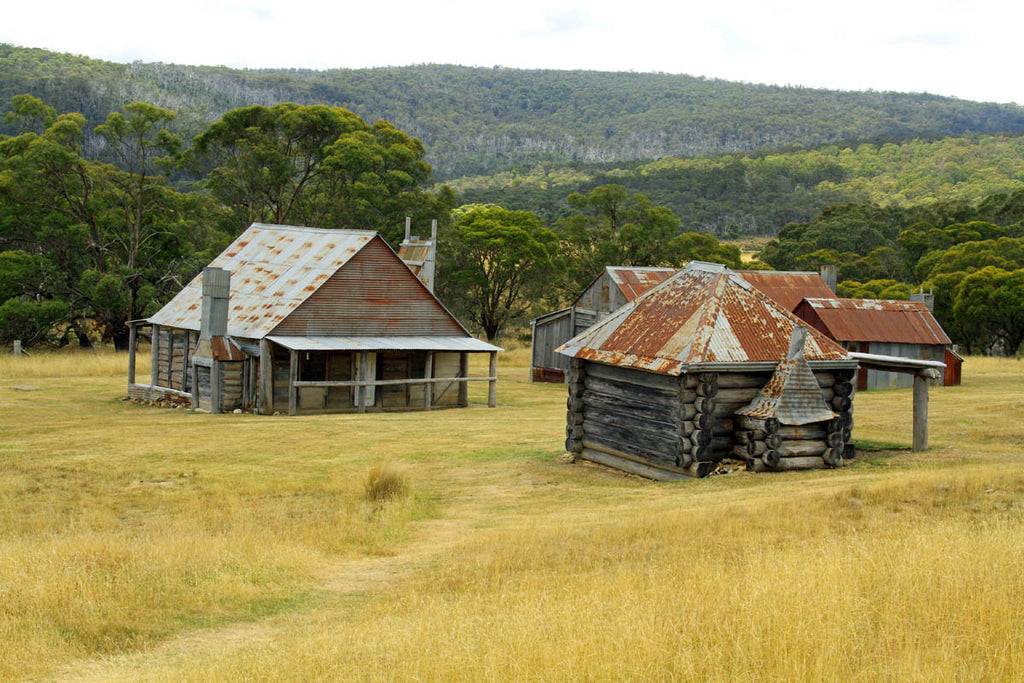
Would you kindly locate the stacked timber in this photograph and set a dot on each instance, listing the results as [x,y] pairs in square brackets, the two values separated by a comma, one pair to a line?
[768,443]
[231,385]
[574,407]
[841,401]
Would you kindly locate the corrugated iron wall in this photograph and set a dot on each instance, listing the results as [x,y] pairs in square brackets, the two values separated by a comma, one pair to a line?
[373,294]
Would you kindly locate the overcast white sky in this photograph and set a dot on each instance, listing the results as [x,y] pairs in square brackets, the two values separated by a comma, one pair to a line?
[969,49]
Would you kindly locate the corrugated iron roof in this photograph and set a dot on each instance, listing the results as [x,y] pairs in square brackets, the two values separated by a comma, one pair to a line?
[317,343]
[788,288]
[792,396]
[634,281]
[703,315]
[881,320]
[274,268]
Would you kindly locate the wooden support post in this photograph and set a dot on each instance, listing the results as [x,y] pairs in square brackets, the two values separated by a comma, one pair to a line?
[293,377]
[154,356]
[133,338]
[185,361]
[361,372]
[492,385]
[216,386]
[266,390]
[17,348]
[428,388]
[463,386]
[921,409]
[170,357]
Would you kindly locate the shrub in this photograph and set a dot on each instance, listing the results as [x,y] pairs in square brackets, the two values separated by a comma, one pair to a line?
[384,482]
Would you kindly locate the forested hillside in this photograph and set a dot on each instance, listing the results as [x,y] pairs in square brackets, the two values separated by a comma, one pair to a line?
[482,120]
[742,194]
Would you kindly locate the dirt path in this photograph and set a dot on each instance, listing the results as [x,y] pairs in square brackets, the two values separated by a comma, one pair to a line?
[432,539]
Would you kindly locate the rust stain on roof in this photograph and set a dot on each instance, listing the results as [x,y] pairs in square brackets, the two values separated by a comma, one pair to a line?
[633,282]
[788,288]
[274,269]
[705,313]
[882,320]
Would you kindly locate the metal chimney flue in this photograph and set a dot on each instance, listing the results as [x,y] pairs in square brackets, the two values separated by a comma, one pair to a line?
[830,274]
[216,295]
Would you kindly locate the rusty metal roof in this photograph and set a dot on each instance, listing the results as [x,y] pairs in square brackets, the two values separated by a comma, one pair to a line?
[792,396]
[704,315]
[881,320]
[274,268]
[633,281]
[788,288]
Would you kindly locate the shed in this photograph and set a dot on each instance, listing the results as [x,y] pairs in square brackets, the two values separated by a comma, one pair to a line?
[654,388]
[904,329]
[615,287]
[294,319]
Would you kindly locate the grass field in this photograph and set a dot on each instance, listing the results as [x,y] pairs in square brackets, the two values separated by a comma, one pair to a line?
[139,542]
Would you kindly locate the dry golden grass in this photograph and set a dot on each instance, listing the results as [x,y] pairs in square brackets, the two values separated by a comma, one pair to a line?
[156,544]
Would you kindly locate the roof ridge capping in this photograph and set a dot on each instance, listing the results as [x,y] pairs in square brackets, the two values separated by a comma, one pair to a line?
[306,228]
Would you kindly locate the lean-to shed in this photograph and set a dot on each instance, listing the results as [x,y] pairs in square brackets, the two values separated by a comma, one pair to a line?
[654,388]
[304,320]
[904,329]
[615,287]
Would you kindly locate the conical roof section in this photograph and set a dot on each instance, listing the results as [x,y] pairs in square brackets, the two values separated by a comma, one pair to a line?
[704,315]
[792,395]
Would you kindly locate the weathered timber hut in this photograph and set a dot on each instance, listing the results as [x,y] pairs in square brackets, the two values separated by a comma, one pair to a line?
[615,287]
[303,320]
[654,388]
[904,329]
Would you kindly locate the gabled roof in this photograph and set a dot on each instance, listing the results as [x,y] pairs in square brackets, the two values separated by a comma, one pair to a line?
[274,268]
[704,315]
[879,320]
[788,288]
[289,277]
[632,281]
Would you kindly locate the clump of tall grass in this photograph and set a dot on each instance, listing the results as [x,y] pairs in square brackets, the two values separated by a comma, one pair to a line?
[385,482]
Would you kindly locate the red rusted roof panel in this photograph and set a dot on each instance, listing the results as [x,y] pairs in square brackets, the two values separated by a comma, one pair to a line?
[788,288]
[703,314]
[904,322]
[633,282]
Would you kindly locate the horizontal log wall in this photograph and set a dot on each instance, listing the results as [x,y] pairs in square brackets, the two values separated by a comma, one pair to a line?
[625,413]
[767,445]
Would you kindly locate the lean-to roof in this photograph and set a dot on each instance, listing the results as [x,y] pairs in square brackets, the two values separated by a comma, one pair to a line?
[703,316]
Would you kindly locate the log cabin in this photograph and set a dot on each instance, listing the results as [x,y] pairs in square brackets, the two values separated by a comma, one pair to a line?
[294,320]
[655,387]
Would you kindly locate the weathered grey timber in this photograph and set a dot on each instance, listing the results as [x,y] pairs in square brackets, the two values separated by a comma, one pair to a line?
[313,312]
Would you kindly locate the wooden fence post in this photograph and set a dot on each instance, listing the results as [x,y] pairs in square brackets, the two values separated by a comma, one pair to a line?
[428,388]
